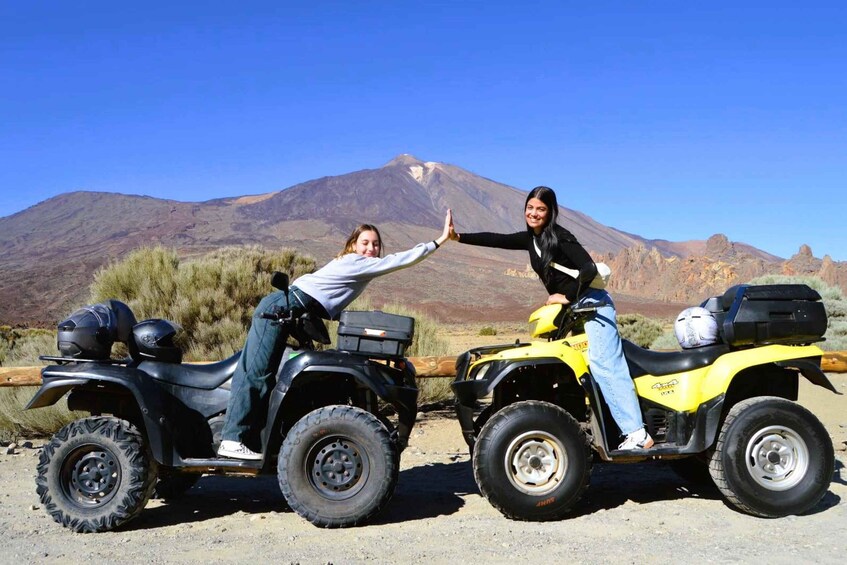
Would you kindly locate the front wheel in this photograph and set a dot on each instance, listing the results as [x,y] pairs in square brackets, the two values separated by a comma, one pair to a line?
[95,474]
[338,466]
[532,461]
[773,458]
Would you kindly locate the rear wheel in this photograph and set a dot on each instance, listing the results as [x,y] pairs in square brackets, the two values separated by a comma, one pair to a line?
[95,474]
[338,466]
[773,458]
[532,461]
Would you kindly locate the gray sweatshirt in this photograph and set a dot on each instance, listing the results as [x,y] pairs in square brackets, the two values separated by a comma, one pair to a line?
[342,280]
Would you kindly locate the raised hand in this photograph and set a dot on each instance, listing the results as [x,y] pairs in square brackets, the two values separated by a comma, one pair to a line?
[448,228]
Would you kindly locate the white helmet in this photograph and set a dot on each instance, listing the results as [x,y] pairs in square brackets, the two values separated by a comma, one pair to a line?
[695,327]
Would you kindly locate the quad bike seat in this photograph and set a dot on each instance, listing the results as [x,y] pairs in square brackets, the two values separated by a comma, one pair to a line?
[645,362]
[206,376]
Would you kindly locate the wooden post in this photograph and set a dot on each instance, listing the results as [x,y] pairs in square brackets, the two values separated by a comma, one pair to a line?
[426,367]
[834,362]
[444,366]
[20,376]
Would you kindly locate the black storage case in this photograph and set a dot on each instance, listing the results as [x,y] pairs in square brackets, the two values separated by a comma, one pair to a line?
[375,334]
[769,314]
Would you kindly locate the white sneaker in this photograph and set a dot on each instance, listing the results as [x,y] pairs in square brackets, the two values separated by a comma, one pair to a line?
[238,450]
[639,439]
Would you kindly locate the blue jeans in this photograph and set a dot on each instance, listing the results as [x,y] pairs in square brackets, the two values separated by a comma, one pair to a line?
[255,375]
[607,363]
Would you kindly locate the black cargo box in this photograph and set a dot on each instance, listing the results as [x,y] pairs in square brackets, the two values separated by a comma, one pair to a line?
[768,314]
[375,334]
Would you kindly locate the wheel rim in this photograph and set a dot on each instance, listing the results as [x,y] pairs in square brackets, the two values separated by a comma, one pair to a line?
[338,467]
[777,458]
[535,462]
[90,476]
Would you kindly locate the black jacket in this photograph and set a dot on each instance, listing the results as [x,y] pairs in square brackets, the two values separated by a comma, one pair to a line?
[569,254]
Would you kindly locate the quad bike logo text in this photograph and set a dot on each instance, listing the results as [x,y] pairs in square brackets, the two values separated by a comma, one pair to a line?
[580,345]
[666,388]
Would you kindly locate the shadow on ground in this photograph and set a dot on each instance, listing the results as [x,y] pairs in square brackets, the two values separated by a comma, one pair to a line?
[438,489]
[214,497]
[428,491]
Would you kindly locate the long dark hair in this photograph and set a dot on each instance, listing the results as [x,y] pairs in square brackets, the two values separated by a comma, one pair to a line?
[350,244]
[547,240]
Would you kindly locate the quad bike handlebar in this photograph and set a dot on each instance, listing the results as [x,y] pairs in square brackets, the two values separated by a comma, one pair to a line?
[571,315]
[587,308]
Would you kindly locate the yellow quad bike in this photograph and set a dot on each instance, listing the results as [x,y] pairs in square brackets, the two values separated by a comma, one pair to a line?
[727,409]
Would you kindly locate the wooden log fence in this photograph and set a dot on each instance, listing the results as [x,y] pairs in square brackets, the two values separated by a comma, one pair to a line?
[427,367]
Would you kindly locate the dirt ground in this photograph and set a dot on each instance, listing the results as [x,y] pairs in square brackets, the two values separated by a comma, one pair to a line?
[630,513]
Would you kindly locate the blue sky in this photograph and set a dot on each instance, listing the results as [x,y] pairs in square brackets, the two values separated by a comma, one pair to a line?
[673,120]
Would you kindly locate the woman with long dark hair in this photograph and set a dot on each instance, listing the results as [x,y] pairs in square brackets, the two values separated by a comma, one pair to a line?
[566,269]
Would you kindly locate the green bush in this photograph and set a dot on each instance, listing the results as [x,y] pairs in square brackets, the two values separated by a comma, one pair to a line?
[666,341]
[21,347]
[639,329]
[16,422]
[434,390]
[488,330]
[212,296]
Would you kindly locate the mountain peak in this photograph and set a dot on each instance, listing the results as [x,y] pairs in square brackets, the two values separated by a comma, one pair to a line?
[404,159]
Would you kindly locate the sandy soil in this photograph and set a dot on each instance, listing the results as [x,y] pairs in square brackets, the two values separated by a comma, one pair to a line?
[631,513]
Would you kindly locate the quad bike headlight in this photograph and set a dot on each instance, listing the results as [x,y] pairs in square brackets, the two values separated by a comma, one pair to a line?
[483,370]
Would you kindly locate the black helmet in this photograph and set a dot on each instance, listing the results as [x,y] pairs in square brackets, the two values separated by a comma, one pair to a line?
[153,340]
[124,320]
[90,331]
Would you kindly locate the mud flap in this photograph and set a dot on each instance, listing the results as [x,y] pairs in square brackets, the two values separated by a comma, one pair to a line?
[811,369]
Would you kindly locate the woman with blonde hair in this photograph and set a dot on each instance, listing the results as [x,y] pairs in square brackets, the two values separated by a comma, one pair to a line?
[324,293]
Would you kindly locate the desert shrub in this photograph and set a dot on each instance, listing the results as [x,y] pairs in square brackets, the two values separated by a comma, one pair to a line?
[211,297]
[639,329]
[666,341]
[834,302]
[488,330]
[29,346]
[20,347]
[16,422]
[435,390]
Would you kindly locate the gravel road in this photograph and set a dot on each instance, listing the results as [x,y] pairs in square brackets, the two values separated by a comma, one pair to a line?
[631,513]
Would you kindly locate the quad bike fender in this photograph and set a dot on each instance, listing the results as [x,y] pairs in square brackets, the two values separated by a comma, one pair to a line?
[481,381]
[805,358]
[50,393]
[375,376]
[486,373]
[57,380]
[811,369]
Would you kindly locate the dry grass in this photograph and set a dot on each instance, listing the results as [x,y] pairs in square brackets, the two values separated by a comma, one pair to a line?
[15,422]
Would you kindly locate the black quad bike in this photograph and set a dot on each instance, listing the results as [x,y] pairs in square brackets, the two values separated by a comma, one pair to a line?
[725,410]
[155,422]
